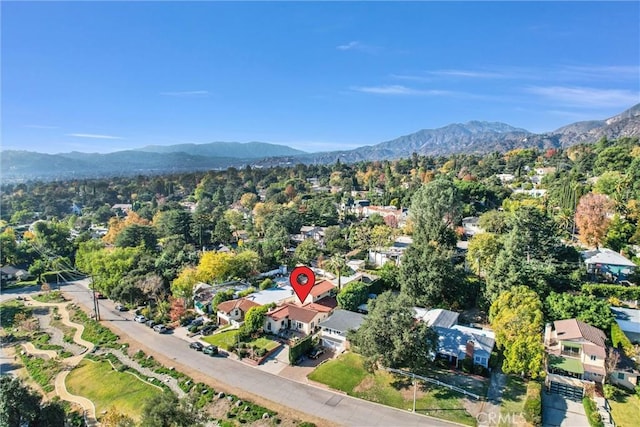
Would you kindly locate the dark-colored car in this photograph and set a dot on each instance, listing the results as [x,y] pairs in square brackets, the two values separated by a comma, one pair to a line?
[150,323]
[211,350]
[121,307]
[209,329]
[196,345]
[316,352]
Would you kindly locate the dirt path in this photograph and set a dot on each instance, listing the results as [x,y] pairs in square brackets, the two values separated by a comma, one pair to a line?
[70,362]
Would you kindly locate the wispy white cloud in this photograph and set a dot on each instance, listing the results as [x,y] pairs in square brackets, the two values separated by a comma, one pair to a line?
[586,97]
[358,46]
[93,135]
[40,127]
[187,93]
[474,74]
[400,90]
[597,72]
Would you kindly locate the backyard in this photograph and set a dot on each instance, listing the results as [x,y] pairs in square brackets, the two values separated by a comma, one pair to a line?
[100,383]
[229,339]
[347,373]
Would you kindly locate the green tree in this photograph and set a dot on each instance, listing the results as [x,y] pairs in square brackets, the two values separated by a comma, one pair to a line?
[483,251]
[165,410]
[495,221]
[619,233]
[19,405]
[307,251]
[429,277]
[352,295]
[588,309]
[435,209]
[137,235]
[390,336]
[254,319]
[517,319]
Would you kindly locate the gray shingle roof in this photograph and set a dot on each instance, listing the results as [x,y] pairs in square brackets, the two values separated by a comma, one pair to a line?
[343,321]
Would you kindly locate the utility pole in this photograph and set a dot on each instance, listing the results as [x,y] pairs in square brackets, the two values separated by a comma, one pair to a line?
[415,390]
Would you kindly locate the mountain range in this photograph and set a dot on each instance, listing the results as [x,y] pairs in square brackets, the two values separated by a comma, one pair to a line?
[472,137]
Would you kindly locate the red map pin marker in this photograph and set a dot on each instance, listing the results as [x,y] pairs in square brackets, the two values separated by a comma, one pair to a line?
[302,280]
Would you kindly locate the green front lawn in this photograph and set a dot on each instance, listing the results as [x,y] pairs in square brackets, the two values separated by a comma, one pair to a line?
[228,339]
[225,340]
[348,374]
[513,397]
[625,409]
[105,387]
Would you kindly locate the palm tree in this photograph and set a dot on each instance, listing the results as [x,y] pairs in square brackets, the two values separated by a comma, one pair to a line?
[338,264]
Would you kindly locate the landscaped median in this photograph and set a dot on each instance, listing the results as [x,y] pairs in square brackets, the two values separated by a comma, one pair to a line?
[347,374]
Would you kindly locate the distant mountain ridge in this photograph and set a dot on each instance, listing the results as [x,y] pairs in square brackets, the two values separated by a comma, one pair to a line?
[475,137]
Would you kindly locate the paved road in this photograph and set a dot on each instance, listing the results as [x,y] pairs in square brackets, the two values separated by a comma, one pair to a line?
[304,398]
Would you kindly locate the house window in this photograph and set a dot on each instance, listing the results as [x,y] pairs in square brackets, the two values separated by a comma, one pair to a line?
[620,375]
[269,326]
[299,325]
[593,358]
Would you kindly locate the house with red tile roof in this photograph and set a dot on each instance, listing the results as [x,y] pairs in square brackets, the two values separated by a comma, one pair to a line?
[233,311]
[290,317]
[321,289]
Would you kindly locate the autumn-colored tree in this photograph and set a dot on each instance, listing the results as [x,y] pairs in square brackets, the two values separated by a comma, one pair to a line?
[114,418]
[593,215]
[214,266]
[177,309]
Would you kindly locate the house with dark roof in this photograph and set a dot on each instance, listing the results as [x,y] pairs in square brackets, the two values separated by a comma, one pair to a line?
[609,263]
[233,311]
[576,353]
[10,272]
[457,342]
[625,373]
[334,329]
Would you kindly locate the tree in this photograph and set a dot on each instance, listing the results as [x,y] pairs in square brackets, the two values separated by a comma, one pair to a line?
[390,336]
[337,265]
[619,233]
[307,251]
[165,410]
[254,319]
[435,209]
[516,317]
[588,309]
[352,295]
[429,277]
[137,235]
[592,218]
[482,252]
[183,285]
[19,405]
[113,418]
[214,266]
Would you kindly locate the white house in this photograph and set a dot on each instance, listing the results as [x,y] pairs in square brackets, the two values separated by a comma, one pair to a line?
[233,311]
[609,263]
[334,329]
[291,317]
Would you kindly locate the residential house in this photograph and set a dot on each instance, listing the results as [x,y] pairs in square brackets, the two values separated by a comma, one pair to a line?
[625,373]
[279,295]
[10,272]
[470,226]
[124,207]
[576,353]
[380,257]
[290,317]
[393,217]
[608,263]
[457,342]
[320,290]
[309,232]
[629,321]
[334,329]
[233,311]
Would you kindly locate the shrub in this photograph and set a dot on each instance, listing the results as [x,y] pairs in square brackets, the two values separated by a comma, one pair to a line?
[533,403]
[266,284]
[467,365]
[620,340]
[609,391]
[592,413]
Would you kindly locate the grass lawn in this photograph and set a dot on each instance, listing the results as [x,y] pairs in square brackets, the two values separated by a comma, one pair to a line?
[513,397]
[625,409]
[98,382]
[225,339]
[348,374]
[8,311]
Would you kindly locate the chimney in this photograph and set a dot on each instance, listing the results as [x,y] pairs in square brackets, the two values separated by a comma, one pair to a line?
[547,334]
[469,349]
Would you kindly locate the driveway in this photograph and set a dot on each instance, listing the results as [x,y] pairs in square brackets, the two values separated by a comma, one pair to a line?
[557,410]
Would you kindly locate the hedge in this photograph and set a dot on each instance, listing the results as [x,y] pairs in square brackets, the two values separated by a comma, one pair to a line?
[533,403]
[621,341]
[592,412]
[301,347]
[608,291]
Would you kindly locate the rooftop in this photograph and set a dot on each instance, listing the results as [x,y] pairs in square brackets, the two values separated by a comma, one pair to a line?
[343,321]
[606,256]
[272,295]
[321,287]
[571,329]
[293,312]
[242,303]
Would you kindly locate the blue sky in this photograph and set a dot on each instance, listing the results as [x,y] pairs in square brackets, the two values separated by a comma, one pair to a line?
[100,77]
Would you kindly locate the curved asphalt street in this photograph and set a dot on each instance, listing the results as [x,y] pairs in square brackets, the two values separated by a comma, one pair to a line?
[304,398]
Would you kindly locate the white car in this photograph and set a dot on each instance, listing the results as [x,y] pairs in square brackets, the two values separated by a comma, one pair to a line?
[140,318]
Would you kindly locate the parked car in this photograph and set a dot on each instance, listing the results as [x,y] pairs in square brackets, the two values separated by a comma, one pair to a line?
[196,345]
[316,352]
[161,329]
[140,318]
[209,329]
[198,321]
[151,323]
[211,350]
[121,307]
[98,295]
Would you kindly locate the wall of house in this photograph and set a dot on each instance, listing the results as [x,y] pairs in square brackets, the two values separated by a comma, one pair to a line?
[624,379]
[273,326]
